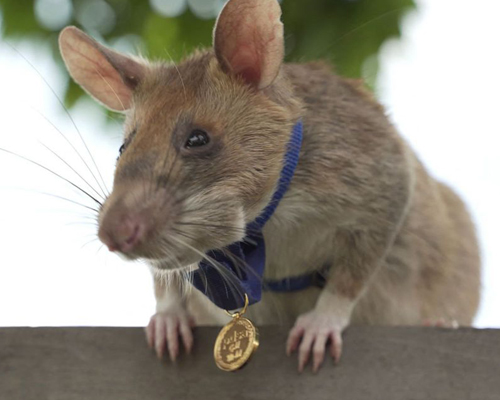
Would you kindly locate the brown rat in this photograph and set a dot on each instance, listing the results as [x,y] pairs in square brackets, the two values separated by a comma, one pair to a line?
[203,150]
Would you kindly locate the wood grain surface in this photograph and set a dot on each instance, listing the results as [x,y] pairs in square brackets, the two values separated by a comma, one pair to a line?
[378,363]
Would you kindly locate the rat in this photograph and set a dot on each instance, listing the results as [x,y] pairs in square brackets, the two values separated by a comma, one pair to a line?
[203,149]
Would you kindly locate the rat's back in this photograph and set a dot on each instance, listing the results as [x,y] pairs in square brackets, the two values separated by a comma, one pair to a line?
[355,160]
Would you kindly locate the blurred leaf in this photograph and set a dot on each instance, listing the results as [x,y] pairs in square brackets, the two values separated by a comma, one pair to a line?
[349,33]
[19,19]
[346,33]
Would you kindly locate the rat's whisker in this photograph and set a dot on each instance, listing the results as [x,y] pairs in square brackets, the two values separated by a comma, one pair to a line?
[103,195]
[228,278]
[99,249]
[79,223]
[218,226]
[237,261]
[60,198]
[166,247]
[187,236]
[62,105]
[241,264]
[89,242]
[68,200]
[53,173]
[72,169]
[178,72]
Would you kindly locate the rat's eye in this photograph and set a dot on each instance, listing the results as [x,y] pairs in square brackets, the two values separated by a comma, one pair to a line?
[120,151]
[197,138]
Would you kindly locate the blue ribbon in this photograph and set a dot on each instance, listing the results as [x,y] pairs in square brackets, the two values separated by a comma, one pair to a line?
[240,266]
[315,278]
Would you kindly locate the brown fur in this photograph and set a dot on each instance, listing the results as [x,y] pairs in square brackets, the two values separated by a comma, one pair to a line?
[400,241]
[402,246]
[392,233]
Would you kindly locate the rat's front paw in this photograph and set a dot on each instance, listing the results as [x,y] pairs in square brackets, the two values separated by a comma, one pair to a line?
[316,330]
[164,330]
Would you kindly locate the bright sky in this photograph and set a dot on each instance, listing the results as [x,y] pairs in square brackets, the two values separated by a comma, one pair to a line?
[440,85]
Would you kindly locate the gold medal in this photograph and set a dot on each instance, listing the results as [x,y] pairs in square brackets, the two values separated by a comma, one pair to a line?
[236,342]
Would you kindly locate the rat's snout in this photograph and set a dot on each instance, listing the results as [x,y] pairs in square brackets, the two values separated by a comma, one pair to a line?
[123,234]
[131,217]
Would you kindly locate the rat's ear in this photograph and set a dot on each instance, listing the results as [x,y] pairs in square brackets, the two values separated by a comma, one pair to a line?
[248,40]
[108,76]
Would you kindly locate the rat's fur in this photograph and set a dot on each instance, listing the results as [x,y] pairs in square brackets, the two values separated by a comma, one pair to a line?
[360,192]
[360,189]
[401,245]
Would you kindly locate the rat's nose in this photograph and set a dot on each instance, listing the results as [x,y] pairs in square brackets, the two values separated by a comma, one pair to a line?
[124,234]
[131,214]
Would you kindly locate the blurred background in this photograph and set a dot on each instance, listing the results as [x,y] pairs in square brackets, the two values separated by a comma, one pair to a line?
[433,65]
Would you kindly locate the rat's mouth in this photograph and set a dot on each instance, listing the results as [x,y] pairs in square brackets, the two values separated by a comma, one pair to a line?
[158,270]
[171,263]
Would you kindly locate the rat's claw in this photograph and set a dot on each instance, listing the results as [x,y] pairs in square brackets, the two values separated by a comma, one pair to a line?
[187,335]
[164,330]
[336,345]
[315,330]
[150,336]
[173,337]
[305,350]
[294,339]
[319,351]
[159,338]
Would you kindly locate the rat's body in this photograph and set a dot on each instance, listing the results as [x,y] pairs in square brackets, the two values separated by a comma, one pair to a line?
[354,168]
[350,159]
[203,152]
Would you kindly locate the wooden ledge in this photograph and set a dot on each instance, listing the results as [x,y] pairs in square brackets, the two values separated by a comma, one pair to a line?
[378,363]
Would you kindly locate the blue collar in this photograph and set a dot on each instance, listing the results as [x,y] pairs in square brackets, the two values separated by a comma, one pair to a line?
[227,274]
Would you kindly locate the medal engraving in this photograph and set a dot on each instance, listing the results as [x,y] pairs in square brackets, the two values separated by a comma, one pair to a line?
[235,344]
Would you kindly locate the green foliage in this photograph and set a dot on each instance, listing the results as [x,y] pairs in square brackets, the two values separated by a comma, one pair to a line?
[345,32]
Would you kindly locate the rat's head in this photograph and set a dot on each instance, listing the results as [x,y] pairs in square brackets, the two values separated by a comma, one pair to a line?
[204,140]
